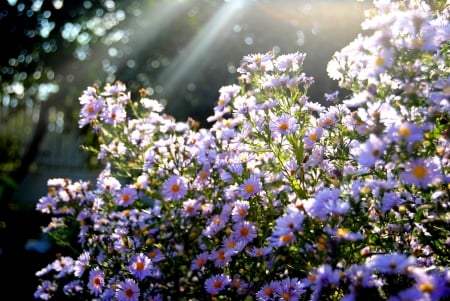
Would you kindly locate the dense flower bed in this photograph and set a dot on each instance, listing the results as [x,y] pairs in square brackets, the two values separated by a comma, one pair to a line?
[282,198]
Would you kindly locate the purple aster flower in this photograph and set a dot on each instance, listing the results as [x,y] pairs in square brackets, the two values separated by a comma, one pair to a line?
[378,62]
[217,283]
[371,151]
[390,200]
[114,114]
[290,289]
[174,188]
[267,291]
[140,266]
[327,120]
[87,95]
[259,251]
[46,290]
[157,297]
[215,224]
[331,96]
[191,207]
[108,184]
[281,238]
[233,245]
[81,264]
[257,61]
[250,187]
[156,255]
[229,91]
[311,137]
[412,293]
[244,231]
[344,234]
[113,89]
[128,290]
[226,94]
[326,201]
[220,257]
[47,204]
[240,210]
[152,105]
[283,125]
[63,265]
[421,173]
[390,263]
[126,196]
[199,261]
[73,287]
[90,111]
[291,221]
[405,131]
[96,281]
[324,276]
[432,285]
[271,81]
[290,61]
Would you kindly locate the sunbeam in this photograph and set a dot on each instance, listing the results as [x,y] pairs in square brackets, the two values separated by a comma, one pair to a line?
[149,25]
[193,56]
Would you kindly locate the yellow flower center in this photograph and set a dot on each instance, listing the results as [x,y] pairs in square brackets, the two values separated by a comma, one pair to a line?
[286,238]
[268,291]
[175,188]
[231,244]
[244,231]
[341,232]
[217,284]
[419,171]
[313,137]
[139,265]
[129,293]
[203,175]
[200,262]
[426,287]
[404,131]
[379,61]
[312,278]
[126,197]
[249,188]
[283,126]
[417,43]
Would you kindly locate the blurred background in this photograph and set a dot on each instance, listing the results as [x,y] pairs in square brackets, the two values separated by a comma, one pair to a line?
[181,51]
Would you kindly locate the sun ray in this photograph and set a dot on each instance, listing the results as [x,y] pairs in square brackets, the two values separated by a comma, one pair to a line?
[192,57]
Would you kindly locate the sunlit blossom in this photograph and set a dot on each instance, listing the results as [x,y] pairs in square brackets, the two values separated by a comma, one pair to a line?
[96,281]
[128,290]
[217,283]
[140,266]
[421,172]
[283,125]
[174,188]
[250,187]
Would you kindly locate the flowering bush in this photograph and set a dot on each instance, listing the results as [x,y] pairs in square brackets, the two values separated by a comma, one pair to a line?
[282,198]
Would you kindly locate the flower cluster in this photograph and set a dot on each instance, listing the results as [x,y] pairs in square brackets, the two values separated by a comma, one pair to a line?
[282,198]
